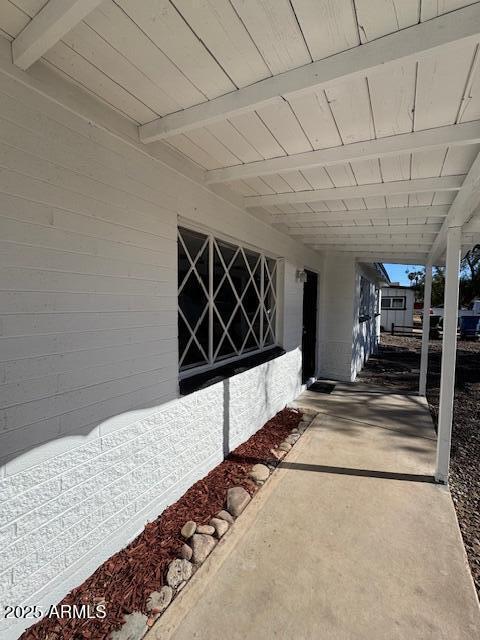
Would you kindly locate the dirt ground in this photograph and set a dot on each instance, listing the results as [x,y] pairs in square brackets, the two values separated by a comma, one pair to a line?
[397,366]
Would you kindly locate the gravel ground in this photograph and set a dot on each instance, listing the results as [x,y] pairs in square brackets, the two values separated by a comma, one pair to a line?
[396,366]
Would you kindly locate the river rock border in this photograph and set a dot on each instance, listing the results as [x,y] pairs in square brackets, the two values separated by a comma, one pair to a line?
[200,540]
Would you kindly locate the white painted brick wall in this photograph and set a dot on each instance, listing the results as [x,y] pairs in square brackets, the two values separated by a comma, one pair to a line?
[93,440]
[129,475]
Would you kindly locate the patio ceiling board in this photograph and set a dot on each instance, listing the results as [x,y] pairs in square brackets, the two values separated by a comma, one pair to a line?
[274,28]
[399,135]
[16,15]
[415,43]
[372,247]
[283,124]
[267,35]
[328,27]
[377,18]
[391,214]
[444,183]
[376,228]
[433,8]
[55,19]
[219,27]
[392,150]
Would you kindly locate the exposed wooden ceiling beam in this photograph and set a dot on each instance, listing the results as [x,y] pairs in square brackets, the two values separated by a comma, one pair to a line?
[393,258]
[373,249]
[364,230]
[462,208]
[445,183]
[414,43]
[48,27]
[387,243]
[387,240]
[348,216]
[439,137]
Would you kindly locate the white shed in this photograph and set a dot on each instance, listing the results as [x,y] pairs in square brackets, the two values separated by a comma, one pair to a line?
[397,306]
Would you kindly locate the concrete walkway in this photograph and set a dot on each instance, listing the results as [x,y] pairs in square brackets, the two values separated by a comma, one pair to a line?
[349,540]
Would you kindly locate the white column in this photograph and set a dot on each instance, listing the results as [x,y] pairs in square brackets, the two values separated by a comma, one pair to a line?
[427,297]
[449,348]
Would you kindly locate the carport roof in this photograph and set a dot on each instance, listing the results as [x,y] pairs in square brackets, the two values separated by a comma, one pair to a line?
[352,126]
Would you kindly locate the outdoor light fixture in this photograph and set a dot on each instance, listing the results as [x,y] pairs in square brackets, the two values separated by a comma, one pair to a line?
[301,276]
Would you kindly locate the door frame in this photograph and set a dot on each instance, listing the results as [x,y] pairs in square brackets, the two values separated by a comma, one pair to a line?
[308,374]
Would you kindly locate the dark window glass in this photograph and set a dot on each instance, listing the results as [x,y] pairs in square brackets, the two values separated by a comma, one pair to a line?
[227,312]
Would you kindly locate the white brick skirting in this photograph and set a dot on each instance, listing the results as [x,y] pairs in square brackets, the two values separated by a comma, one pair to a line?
[64,517]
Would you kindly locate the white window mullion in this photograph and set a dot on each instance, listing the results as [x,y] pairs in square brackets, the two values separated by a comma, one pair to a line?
[210,300]
[262,300]
[193,263]
[224,334]
[193,336]
[245,285]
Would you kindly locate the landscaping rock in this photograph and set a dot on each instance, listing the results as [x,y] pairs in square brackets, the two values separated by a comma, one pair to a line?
[186,552]
[292,438]
[134,628]
[295,430]
[206,529]
[202,546]
[259,472]
[220,526]
[158,601]
[284,446]
[181,585]
[188,529]
[237,500]
[178,571]
[224,515]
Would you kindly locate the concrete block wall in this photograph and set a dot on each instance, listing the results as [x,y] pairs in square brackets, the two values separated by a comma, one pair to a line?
[94,440]
[67,516]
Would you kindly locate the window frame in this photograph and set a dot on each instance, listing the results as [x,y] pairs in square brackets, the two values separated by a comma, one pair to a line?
[391,299]
[366,307]
[269,282]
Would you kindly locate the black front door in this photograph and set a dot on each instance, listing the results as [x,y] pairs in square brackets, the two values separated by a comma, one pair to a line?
[309,337]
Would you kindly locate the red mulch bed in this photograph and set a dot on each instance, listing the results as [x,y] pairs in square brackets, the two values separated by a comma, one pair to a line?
[125,580]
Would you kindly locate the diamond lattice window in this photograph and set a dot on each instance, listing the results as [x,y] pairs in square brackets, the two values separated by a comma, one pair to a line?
[227,300]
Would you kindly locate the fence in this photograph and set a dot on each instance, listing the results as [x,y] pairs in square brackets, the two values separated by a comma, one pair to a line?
[413,332]
[404,330]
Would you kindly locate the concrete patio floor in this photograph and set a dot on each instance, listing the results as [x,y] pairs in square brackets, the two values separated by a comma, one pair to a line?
[349,539]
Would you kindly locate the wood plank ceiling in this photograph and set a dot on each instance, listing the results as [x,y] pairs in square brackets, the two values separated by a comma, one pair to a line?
[150,59]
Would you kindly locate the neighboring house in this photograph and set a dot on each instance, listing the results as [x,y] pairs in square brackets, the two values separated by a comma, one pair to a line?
[397,306]
[190,197]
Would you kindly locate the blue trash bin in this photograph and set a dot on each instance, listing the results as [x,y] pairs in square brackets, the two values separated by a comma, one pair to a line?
[470,327]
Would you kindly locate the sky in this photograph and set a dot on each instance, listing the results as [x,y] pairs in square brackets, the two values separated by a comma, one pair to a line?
[397,272]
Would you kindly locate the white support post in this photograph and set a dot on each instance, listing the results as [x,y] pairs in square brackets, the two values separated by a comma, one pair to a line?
[449,348]
[427,297]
